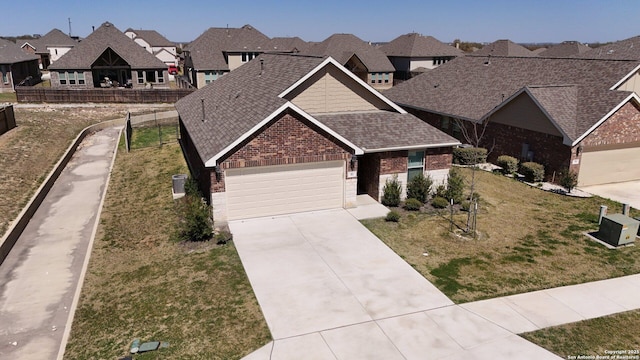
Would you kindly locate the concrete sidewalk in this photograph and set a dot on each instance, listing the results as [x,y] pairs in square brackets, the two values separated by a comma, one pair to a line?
[41,274]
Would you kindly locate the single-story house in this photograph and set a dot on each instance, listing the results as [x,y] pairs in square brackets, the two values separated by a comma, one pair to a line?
[577,115]
[49,47]
[107,57]
[368,62]
[287,133]
[16,66]
[414,53]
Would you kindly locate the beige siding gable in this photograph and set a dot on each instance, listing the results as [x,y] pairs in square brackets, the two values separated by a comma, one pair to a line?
[632,84]
[523,112]
[331,90]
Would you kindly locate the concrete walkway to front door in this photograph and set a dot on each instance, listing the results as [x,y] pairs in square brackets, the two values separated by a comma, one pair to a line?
[330,289]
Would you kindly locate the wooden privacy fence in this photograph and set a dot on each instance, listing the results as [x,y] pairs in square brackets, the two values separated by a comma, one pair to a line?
[129,96]
[7,119]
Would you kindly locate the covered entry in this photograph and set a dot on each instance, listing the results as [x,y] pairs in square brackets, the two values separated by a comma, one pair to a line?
[282,189]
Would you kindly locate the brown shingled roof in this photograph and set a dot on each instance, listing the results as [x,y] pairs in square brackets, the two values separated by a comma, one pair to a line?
[416,45]
[504,48]
[343,46]
[152,37]
[10,53]
[628,49]
[566,49]
[287,44]
[575,92]
[86,52]
[54,37]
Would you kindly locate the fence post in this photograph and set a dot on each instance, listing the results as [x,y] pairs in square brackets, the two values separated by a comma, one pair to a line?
[127,132]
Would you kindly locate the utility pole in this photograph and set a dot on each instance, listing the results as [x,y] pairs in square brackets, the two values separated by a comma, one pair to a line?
[69,27]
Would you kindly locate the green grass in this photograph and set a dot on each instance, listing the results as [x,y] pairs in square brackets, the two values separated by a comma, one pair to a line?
[591,337]
[529,240]
[142,137]
[8,97]
[141,284]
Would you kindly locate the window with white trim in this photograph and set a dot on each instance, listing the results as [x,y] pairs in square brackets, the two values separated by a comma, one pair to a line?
[140,77]
[62,75]
[211,76]
[415,164]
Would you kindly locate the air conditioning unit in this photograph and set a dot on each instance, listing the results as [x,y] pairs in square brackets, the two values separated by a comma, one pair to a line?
[618,229]
[178,185]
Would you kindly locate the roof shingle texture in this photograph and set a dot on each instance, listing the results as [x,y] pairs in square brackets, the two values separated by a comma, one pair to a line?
[504,48]
[152,37]
[86,52]
[566,49]
[207,51]
[343,46]
[54,38]
[10,53]
[470,88]
[628,49]
[416,45]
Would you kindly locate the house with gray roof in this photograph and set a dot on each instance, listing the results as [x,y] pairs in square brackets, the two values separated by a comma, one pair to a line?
[288,132]
[155,43]
[578,115]
[107,57]
[565,49]
[412,54]
[16,66]
[505,48]
[49,47]
[627,49]
[363,59]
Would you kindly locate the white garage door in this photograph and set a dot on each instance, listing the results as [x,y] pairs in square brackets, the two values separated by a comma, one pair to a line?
[609,166]
[273,190]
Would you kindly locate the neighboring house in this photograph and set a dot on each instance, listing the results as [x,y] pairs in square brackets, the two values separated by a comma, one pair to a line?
[565,49]
[154,43]
[628,49]
[107,53]
[287,44]
[505,48]
[49,47]
[287,133]
[412,54]
[363,59]
[16,66]
[575,114]
[220,50]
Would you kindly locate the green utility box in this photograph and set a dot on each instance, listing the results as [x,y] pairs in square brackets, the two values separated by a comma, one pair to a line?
[618,229]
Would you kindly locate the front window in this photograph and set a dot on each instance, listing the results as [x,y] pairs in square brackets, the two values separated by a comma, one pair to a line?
[415,164]
[386,78]
[151,76]
[63,77]
[81,78]
[160,76]
[140,77]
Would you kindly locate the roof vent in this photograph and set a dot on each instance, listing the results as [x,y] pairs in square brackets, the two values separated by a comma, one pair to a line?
[261,66]
[203,114]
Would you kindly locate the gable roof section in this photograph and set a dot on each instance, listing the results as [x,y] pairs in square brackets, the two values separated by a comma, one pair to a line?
[416,45]
[152,37]
[287,44]
[10,53]
[208,50]
[342,47]
[504,48]
[54,38]
[566,49]
[628,49]
[472,88]
[85,53]
[248,99]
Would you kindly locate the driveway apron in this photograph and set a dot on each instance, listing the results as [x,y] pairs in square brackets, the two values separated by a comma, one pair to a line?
[39,278]
[330,289]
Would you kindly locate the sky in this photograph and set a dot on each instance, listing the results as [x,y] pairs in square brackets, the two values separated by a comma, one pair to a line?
[534,21]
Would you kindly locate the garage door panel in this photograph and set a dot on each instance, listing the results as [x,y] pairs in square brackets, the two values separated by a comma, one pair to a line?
[273,190]
[609,166]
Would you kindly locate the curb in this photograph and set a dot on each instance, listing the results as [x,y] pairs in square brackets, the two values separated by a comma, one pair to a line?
[20,223]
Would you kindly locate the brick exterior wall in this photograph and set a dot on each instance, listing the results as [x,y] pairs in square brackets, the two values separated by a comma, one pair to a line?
[288,140]
[393,162]
[621,128]
[438,158]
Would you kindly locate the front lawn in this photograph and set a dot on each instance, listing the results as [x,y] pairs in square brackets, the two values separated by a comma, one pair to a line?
[529,240]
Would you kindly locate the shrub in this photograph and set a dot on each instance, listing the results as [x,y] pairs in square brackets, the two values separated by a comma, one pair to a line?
[419,187]
[392,216]
[533,172]
[465,205]
[509,164]
[441,191]
[569,180]
[439,202]
[455,186]
[469,156]
[412,204]
[391,192]
[195,219]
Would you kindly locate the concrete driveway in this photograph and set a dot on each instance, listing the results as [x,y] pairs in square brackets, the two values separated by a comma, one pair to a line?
[330,289]
[625,192]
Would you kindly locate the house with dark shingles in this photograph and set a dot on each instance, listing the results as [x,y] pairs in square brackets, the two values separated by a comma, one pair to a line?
[287,133]
[221,50]
[155,43]
[627,49]
[505,48]
[107,53]
[565,49]
[576,114]
[16,66]
[363,59]
[412,54]
[49,47]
